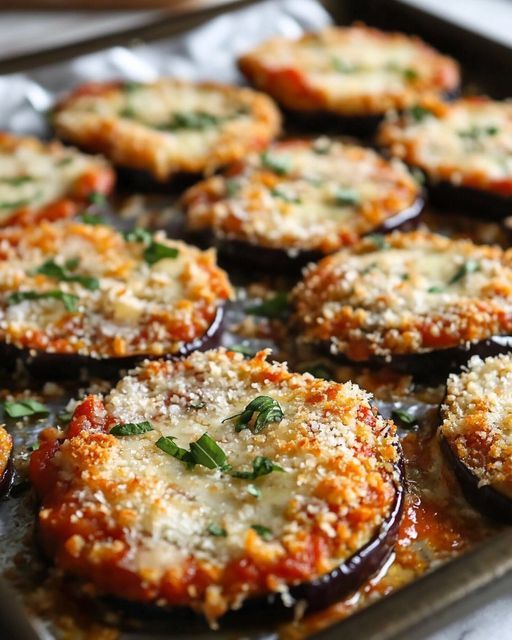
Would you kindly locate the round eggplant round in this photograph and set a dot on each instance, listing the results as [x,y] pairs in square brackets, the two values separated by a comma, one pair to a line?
[6,461]
[62,366]
[478,203]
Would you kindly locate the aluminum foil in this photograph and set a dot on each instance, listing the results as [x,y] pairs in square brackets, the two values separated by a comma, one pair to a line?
[207,52]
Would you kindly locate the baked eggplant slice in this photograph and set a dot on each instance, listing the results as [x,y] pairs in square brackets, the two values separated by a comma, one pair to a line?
[44,180]
[476,433]
[167,127]
[74,289]
[216,482]
[416,301]
[464,148]
[355,74]
[302,199]
[6,465]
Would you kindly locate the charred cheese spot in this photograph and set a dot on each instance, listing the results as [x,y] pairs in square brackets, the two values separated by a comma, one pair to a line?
[303,195]
[349,71]
[168,126]
[466,143]
[143,525]
[46,180]
[477,420]
[406,293]
[112,302]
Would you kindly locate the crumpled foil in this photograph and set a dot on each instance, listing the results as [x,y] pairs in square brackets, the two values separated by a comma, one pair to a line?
[207,52]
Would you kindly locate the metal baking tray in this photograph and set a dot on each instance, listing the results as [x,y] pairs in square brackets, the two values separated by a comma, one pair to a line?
[460,585]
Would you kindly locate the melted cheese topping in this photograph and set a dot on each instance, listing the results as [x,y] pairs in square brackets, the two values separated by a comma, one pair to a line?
[135,308]
[419,293]
[302,195]
[39,180]
[467,142]
[349,71]
[477,420]
[123,503]
[168,126]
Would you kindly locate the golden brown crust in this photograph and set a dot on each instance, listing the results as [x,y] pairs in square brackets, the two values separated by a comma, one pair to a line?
[350,71]
[106,298]
[408,293]
[168,126]
[467,142]
[46,181]
[135,521]
[302,195]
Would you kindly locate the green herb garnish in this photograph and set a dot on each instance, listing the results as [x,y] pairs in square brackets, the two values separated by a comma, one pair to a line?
[253,490]
[284,195]
[194,120]
[52,270]
[139,234]
[167,445]
[92,218]
[16,180]
[261,466]
[276,307]
[131,87]
[69,300]
[247,351]
[470,266]
[232,187]
[344,196]
[476,132]
[418,113]
[18,203]
[266,409]
[157,251]
[378,240]
[404,417]
[279,164]
[344,67]
[264,532]
[435,289]
[97,198]
[23,408]
[217,531]
[410,74]
[131,428]
[207,453]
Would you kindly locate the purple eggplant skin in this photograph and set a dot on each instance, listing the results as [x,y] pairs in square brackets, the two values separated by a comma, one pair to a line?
[279,260]
[478,203]
[70,366]
[314,595]
[129,179]
[486,499]
[432,366]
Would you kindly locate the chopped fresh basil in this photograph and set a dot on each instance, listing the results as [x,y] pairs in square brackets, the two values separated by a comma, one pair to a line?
[16,204]
[277,192]
[207,453]
[52,270]
[378,240]
[435,289]
[157,251]
[232,187]
[267,409]
[276,307]
[92,218]
[475,132]
[64,416]
[34,446]
[404,417]
[193,120]
[63,162]
[410,74]
[264,532]
[97,198]
[345,196]
[470,266]
[139,234]
[342,66]
[279,164]
[16,180]
[217,531]
[68,300]
[418,113]
[261,466]
[253,490]
[247,351]
[22,408]
[131,428]
[167,445]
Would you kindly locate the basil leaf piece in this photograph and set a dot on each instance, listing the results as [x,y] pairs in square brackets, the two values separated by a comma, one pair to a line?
[410,74]
[279,164]
[253,490]
[97,198]
[16,204]
[345,196]
[156,252]
[131,428]
[207,453]
[15,181]
[404,417]
[68,299]
[344,67]
[23,408]
[378,240]
[268,411]
[167,445]
[286,197]
[470,266]
[418,113]
[435,289]
[264,532]
[232,187]
[217,531]
[139,234]
[245,350]
[193,120]
[261,466]
[65,416]
[475,132]
[52,270]
[276,307]
[92,218]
